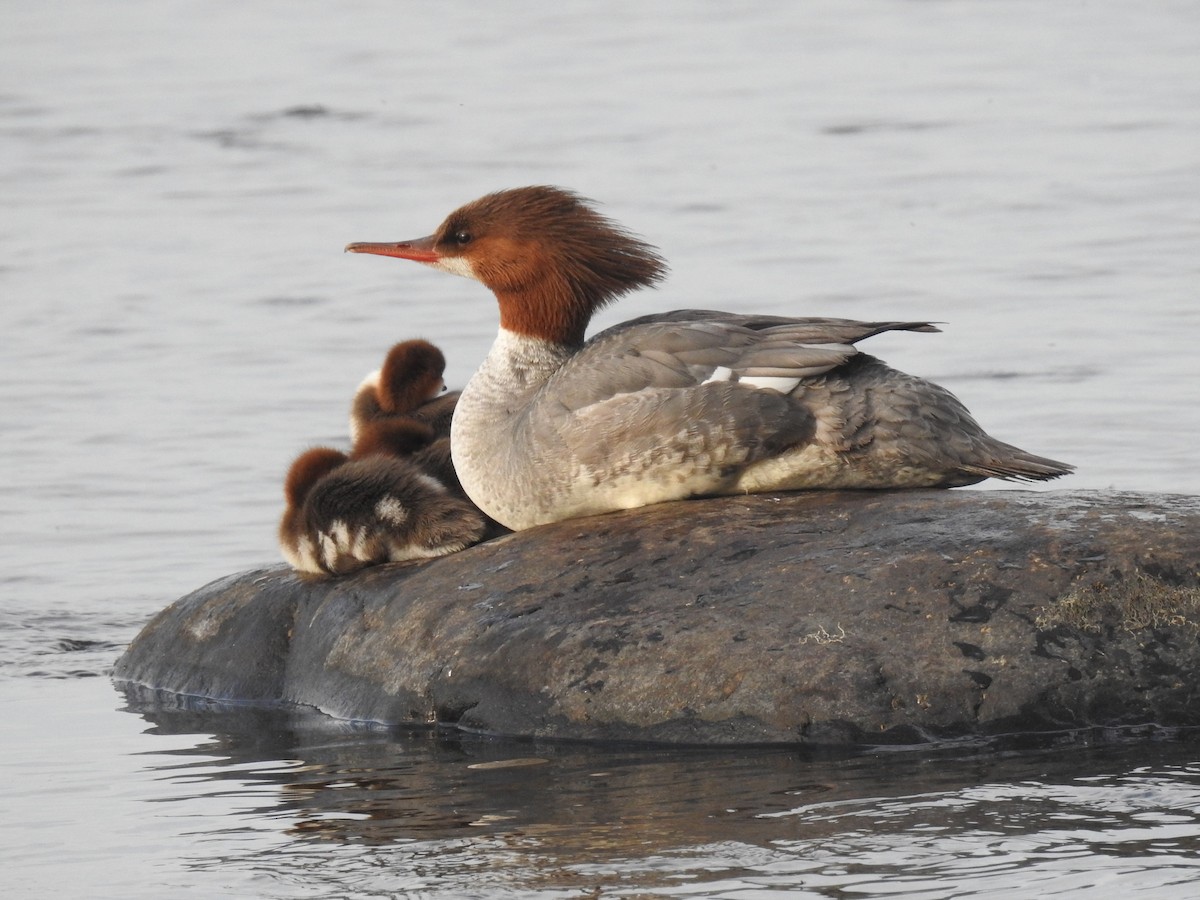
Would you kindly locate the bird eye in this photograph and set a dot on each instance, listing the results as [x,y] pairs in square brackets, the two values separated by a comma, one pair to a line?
[462,237]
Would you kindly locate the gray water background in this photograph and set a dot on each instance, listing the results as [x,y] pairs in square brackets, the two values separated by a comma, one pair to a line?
[177,180]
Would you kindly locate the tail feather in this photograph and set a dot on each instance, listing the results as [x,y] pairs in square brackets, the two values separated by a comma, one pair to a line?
[1014,464]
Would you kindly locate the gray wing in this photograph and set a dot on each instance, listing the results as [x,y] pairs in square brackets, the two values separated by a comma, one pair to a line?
[687,348]
[717,427]
[815,330]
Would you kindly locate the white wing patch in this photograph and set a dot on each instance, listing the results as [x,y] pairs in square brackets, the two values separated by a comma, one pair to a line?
[767,371]
[774,383]
[391,509]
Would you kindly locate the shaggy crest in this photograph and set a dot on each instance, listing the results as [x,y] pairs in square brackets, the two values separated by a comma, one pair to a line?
[549,257]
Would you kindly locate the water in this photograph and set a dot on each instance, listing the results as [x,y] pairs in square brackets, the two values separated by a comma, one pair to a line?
[177,181]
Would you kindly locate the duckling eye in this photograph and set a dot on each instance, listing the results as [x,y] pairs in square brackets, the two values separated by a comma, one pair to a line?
[462,238]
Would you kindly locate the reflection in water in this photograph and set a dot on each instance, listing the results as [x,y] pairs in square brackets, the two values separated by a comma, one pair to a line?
[363,810]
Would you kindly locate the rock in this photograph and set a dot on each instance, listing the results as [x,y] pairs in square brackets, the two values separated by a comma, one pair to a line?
[818,618]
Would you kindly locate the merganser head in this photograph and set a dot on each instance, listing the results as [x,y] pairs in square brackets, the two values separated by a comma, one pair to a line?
[410,377]
[547,255]
[310,467]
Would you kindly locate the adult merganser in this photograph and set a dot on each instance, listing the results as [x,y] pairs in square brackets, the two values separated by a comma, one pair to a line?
[675,405]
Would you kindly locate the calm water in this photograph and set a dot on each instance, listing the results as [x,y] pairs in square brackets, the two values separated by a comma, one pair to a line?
[177,180]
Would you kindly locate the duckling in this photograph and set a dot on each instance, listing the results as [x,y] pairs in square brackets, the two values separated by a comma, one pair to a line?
[344,513]
[395,496]
[408,389]
[298,542]
[383,509]
[411,377]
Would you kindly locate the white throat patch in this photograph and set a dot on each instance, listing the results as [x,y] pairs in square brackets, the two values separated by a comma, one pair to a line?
[456,265]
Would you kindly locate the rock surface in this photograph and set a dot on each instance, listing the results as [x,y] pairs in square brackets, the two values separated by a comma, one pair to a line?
[818,618]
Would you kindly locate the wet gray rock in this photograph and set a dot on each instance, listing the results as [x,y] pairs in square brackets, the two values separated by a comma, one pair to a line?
[818,618]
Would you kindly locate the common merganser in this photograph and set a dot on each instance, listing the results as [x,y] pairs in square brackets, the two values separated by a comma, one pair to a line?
[674,405]
[398,410]
[402,403]
[395,496]
[298,541]
[410,378]
[344,515]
